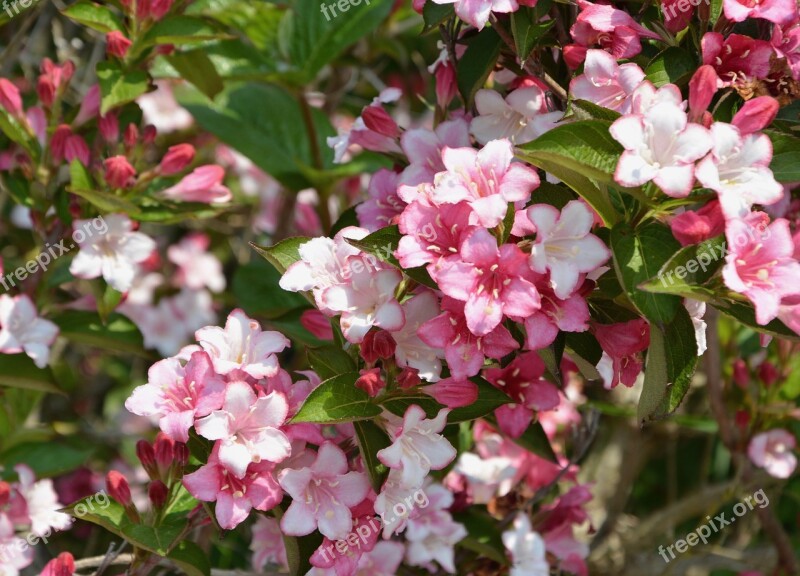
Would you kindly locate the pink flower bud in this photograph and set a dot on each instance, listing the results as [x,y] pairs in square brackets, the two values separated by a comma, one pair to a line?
[147,456]
[377,344]
[143,9]
[5,493]
[53,80]
[109,127]
[10,98]
[117,44]
[118,488]
[317,323]
[702,87]
[131,136]
[164,448]
[756,114]
[118,172]
[446,87]
[742,419]
[76,149]
[370,381]
[574,55]
[62,565]
[181,454]
[768,373]
[90,106]
[453,393]
[694,227]
[378,120]
[149,134]
[176,159]
[58,142]
[160,8]
[158,492]
[37,120]
[203,184]
[741,375]
[408,378]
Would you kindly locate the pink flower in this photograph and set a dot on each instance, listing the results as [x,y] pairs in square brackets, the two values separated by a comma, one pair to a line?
[322,495]
[476,12]
[21,330]
[361,135]
[622,344]
[568,315]
[772,451]
[247,427]
[738,170]
[612,29]
[383,205]
[432,534]
[761,265]
[242,345]
[17,553]
[692,227]
[90,106]
[176,159]
[423,148]
[234,497]
[786,43]
[62,565]
[344,559]
[453,392]
[10,98]
[431,232]
[53,80]
[606,83]
[112,254]
[520,117]
[492,281]
[75,148]
[203,184]
[527,549]
[485,179]
[383,560]
[418,447]
[267,544]
[523,381]
[411,351]
[317,324]
[702,88]
[178,394]
[464,352]
[197,268]
[365,300]
[756,114]
[737,58]
[565,245]
[778,11]
[118,172]
[117,44]
[41,505]
[662,146]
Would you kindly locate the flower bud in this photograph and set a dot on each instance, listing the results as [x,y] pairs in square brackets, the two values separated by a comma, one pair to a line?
[158,492]
[741,376]
[702,87]
[58,142]
[203,184]
[377,344]
[10,98]
[5,493]
[446,87]
[317,323]
[118,488]
[62,565]
[452,392]
[90,106]
[147,456]
[118,172]
[117,44]
[149,134]
[109,127]
[53,80]
[176,159]
[768,373]
[408,378]
[131,136]
[756,114]
[143,9]
[76,149]
[160,8]
[742,419]
[370,381]
[164,448]
[378,120]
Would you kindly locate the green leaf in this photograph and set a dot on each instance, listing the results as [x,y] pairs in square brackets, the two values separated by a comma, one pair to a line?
[477,62]
[785,163]
[484,536]
[337,400]
[265,123]
[671,362]
[181,30]
[398,402]
[46,459]
[434,14]
[579,153]
[535,440]
[315,39]
[191,559]
[348,218]
[118,87]
[118,334]
[81,184]
[585,110]
[692,266]
[527,28]
[330,361]
[638,256]
[745,313]
[284,253]
[11,127]
[95,16]
[290,325]
[256,290]
[586,352]
[19,371]
[196,67]
[672,66]
[489,399]
[371,439]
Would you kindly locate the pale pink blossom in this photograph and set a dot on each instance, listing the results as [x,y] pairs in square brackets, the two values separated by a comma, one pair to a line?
[431,232]
[383,205]
[22,330]
[203,184]
[267,544]
[411,351]
[322,495]
[393,503]
[423,148]
[418,446]
[247,427]
[15,553]
[197,268]
[432,533]
[777,11]
[242,345]
[564,245]
[612,29]
[41,503]
[178,394]
[383,560]
[738,170]
[773,451]
[162,110]
[527,549]
[476,12]
[606,83]
[487,478]
[234,497]
[520,117]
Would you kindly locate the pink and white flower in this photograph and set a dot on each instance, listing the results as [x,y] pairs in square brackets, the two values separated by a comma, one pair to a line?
[476,12]
[410,350]
[267,544]
[777,11]
[41,505]
[612,29]
[423,148]
[772,451]
[197,268]
[383,205]
[21,329]
[203,184]
[527,549]
[432,533]
[606,83]
[520,117]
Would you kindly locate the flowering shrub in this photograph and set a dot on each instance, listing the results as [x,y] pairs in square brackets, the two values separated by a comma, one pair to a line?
[354,287]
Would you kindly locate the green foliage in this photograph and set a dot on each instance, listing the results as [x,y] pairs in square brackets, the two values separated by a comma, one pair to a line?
[337,400]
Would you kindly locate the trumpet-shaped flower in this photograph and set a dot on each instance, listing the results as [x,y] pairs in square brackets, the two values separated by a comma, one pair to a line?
[521,116]
[21,329]
[476,12]
[527,549]
[606,83]
[411,351]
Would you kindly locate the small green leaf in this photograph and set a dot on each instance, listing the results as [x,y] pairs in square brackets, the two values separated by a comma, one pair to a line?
[19,371]
[181,30]
[785,163]
[434,14]
[95,16]
[337,400]
[477,63]
[196,67]
[638,256]
[585,110]
[398,402]
[191,559]
[284,253]
[672,66]
[256,290]
[527,27]
[119,87]
[46,459]
[484,536]
[330,361]
[11,127]
[686,271]
[117,334]
[371,440]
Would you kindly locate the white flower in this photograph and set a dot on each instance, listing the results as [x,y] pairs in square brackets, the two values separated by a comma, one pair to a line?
[22,330]
[521,117]
[112,255]
[487,477]
[42,502]
[411,351]
[527,549]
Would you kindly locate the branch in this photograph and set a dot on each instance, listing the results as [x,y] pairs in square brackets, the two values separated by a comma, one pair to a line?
[125,559]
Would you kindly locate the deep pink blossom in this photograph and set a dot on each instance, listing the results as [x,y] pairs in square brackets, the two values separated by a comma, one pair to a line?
[612,29]
[736,58]
[203,184]
[383,205]
[622,345]
[692,227]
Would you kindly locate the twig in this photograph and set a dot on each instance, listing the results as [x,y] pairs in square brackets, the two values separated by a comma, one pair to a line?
[124,559]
